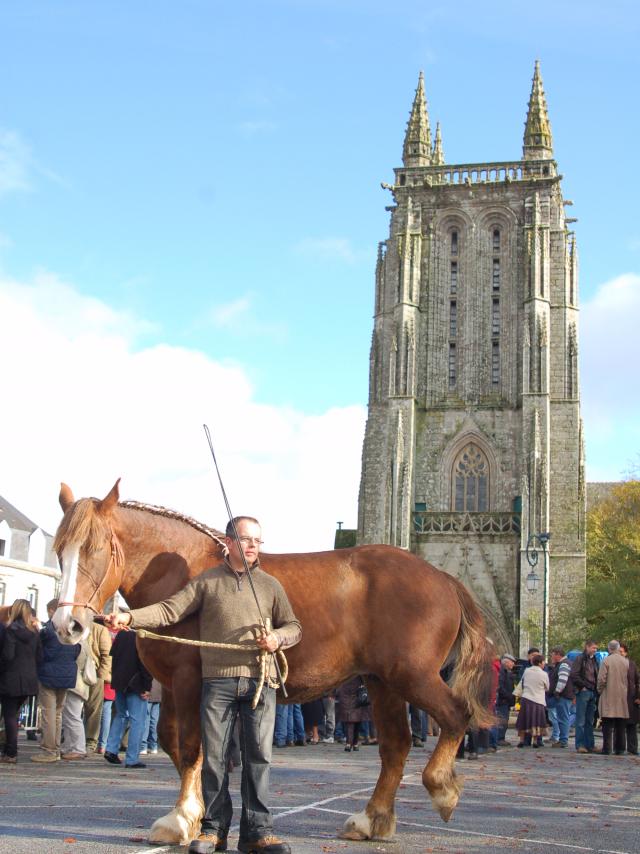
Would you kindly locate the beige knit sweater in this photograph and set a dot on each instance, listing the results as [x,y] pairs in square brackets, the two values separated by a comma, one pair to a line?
[227,613]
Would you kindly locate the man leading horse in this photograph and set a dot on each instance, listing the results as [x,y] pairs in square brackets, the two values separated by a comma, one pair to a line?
[223,598]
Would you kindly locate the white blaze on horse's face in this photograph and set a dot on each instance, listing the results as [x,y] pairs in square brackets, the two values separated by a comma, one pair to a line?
[68,627]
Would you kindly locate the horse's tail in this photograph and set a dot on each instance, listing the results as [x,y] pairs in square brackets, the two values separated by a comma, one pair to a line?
[472,674]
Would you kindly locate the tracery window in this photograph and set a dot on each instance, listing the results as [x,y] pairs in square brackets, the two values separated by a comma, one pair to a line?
[470,480]
[454,242]
[454,277]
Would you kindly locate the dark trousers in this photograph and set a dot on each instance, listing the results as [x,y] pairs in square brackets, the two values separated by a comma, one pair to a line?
[223,701]
[614,735]
[353,731]
[632,736]
[10,710]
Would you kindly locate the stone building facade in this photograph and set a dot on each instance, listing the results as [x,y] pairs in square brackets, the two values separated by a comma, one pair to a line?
[474,437]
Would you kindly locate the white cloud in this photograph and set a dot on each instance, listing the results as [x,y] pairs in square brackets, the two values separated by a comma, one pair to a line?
[251,128]
[15,162]
[327,248]
[83,405]
[609,376]
[18,165]
[227,314]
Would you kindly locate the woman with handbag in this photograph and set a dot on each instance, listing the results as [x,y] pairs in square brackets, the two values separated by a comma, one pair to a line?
[21,650]
[532,717]
[352,709]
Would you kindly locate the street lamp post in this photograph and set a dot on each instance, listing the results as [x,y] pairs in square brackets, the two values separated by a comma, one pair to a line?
[533,580]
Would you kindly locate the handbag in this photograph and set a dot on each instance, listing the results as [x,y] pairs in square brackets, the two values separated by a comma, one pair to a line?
[362,695]
[517,691]
[89,672]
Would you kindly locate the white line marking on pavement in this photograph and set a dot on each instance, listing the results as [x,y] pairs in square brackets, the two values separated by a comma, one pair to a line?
[519,839]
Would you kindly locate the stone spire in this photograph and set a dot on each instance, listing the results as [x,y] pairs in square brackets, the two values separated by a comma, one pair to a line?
[538,144]
[417,141]
[437,158]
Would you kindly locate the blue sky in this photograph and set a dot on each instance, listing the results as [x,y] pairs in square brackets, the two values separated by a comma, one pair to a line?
[205,177]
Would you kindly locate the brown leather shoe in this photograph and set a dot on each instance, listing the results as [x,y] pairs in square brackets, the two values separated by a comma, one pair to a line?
[73,755]
[266,845]
[207,843]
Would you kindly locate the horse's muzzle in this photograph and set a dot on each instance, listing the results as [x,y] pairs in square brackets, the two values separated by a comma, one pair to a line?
[69,627]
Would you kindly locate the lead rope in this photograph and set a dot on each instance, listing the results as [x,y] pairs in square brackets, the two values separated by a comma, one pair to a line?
[264,656]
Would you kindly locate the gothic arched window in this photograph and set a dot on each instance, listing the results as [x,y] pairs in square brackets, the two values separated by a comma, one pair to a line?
[470,480]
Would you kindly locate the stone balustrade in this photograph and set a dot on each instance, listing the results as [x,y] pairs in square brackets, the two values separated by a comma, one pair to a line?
[476,173]
[468,523]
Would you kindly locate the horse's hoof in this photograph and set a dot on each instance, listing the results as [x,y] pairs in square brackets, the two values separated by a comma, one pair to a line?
[175,828]
[446,813]
[357,827]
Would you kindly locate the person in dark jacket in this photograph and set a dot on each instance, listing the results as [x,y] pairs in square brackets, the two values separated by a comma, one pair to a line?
[132,683]
[584,676]
[21,650]
[350,713]
[505,698]
[57,673]
[633,700]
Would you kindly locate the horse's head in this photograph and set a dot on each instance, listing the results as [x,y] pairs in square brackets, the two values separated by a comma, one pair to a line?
[91,559]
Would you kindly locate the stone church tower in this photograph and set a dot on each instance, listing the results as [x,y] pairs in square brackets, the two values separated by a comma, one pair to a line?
[474,437]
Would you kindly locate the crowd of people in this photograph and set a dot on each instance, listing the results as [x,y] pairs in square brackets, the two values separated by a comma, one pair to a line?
[95,696]
[564,694]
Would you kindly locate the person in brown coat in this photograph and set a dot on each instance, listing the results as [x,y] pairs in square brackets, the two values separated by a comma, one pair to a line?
[633,701]
[614,709]
[100,648]
[349,712]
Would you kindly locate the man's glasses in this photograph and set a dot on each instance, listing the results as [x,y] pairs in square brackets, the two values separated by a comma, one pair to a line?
[251,541]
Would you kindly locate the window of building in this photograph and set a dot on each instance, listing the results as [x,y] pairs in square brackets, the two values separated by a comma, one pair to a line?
[3,592]
[454,277]
[3,545]
[496,274]
[471,480]
[452,365]
[495,363]
[496,239]
[453,319]
[495,317]
[454,242]
[32,597]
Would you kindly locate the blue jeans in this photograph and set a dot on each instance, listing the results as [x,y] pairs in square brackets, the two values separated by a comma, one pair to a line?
[223,700]
[105,722]
[585,711]
[133,707]
[150,737]
[289,724]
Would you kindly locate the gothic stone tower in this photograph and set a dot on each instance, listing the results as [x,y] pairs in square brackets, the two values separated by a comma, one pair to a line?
[474,436]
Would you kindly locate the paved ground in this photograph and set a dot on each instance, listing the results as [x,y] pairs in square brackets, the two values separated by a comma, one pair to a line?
[517,800]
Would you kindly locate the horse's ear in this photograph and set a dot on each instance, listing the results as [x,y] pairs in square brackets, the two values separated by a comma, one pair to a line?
[111,500]
[65,498]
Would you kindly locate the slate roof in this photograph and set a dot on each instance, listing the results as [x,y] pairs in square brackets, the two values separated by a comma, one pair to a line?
[14,518]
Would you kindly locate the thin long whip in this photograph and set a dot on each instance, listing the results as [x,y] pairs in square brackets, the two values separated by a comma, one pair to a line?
[242,554]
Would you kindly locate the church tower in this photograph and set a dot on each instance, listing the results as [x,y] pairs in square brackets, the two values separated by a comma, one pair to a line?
[474,438]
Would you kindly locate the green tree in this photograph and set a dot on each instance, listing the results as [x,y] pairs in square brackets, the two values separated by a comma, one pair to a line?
[613,566]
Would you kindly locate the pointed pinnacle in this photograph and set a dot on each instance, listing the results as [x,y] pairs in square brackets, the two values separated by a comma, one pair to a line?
[417,141]
[437,158]
[538,142]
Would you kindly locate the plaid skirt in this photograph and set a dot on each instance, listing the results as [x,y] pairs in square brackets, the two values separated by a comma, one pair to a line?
[532,718]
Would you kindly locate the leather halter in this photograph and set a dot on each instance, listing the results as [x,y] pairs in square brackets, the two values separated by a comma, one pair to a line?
[116,560]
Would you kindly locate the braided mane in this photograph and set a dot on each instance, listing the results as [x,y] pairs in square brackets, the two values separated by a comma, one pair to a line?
[216,535]
[85,526]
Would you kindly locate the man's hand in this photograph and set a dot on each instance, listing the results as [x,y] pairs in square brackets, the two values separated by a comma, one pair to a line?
[118,621]
[145,695]
[270,642]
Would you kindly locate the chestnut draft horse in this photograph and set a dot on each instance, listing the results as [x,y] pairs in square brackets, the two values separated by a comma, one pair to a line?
[374,610]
